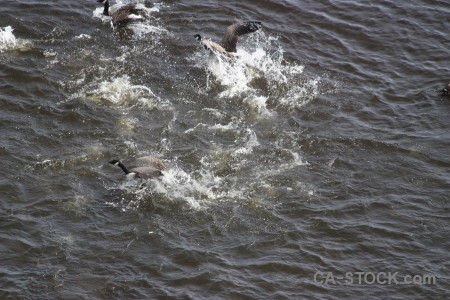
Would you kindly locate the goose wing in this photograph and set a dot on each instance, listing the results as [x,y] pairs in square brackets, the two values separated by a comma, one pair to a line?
[147,172]
[125,14]
[151,161]
[235,30]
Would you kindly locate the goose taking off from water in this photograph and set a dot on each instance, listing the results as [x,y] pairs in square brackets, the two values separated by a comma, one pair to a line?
[230,38]
[121,14]
[150,167]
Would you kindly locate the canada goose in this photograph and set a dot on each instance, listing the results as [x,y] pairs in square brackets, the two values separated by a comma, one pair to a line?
[151,167]
[230,38]
[121,14]
[446,90]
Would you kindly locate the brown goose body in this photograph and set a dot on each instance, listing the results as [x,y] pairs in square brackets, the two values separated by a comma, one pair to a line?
[151,161]
[150,167]
[146,172]
[121,14]
[213,46]
[230,38]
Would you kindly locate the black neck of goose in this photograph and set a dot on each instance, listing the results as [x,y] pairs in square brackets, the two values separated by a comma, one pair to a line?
[124,169]
[106,9]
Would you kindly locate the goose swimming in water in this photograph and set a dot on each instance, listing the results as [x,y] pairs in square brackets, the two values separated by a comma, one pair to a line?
[151,167]
[121,14]
[230,38]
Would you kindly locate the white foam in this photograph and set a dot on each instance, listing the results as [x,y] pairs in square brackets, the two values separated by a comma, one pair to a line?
[194,189]
[215,112]
[258,72]
[198,189]
[49,53]
[83,36]
[300,95]
[7,38]
[233,125]
[77,204]
[127,123]
[215,179]
[147,10]
[8,42]
[251,141]
[178,184]
[259,105]
[131,145]
[141,29]
[121,92]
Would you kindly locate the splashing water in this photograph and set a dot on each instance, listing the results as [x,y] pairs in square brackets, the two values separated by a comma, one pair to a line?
[258,75]
[7,38]
[83,36]
[220,177]
[259,72]
[196,190]
[121,92]
[251,141]
[9,42]
[142,29]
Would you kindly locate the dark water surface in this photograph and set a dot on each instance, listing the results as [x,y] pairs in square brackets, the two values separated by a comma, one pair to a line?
[320,152]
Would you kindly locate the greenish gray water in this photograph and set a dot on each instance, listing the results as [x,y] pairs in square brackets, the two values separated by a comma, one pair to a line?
[322,149]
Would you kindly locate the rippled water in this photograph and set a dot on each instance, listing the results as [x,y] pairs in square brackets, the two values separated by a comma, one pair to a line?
[321,149]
